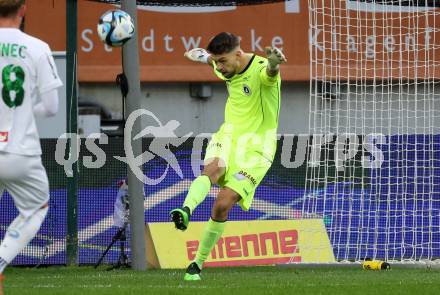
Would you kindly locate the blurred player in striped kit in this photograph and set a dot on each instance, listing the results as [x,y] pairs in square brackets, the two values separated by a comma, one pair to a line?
[28,88]
[241,152]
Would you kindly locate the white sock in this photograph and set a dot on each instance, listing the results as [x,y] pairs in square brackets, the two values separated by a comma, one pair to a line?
[21,231]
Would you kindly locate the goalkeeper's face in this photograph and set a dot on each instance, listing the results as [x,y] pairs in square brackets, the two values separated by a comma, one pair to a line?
[228,63]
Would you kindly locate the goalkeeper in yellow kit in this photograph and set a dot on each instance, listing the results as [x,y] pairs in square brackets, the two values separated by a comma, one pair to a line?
[241,152]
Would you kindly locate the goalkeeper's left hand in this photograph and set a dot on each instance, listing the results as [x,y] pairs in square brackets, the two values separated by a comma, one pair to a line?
[197,55]
[274,56]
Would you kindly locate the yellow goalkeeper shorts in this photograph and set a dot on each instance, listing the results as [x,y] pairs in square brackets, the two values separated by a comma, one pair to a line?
[245,169]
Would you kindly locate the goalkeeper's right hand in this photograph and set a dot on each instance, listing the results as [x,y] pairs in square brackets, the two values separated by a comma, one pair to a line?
[197,55]
[274,56]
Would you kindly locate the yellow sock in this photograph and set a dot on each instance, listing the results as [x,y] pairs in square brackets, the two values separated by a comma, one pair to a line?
[198,191]
[213,231]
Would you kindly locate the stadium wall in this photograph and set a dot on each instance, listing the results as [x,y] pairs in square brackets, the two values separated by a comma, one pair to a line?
[172,101]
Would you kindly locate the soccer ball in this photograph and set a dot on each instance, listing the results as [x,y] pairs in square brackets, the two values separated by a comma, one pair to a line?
[115,27]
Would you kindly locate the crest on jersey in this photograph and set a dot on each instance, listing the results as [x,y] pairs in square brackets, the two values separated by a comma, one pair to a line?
[246,90]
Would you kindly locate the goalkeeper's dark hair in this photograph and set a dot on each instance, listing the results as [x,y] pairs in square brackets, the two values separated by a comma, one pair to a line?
[10,7]
[223,43]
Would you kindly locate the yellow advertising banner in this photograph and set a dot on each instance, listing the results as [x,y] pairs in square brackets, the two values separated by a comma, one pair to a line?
[244,243]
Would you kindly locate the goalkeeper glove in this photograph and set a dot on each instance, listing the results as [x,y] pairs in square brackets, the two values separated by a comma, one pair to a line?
[274,56]
[197,55]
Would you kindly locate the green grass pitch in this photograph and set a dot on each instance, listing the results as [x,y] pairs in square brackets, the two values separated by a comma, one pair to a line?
[229,281]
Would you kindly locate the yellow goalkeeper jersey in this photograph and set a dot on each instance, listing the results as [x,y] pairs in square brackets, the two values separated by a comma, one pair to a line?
[253,105]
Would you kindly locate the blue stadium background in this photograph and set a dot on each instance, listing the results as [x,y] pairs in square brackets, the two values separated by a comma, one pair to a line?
[382,222]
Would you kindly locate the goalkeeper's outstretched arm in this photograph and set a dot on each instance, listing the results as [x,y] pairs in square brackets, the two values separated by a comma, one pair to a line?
[199,55]
[275,57]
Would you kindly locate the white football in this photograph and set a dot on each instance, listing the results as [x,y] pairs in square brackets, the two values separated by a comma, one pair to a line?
[115,27]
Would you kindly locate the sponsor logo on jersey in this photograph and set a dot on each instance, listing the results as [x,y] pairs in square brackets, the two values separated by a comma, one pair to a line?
[243,175]
[4,136]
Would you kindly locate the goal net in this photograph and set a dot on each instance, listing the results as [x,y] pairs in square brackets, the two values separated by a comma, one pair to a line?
[374,159]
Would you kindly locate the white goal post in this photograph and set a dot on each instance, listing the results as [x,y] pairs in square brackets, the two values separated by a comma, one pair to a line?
[374,159]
